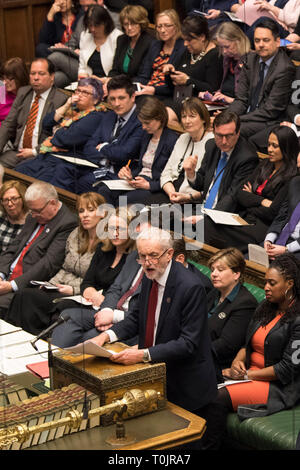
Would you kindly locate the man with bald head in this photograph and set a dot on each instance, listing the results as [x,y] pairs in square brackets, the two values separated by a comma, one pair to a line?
[38,252]
[170,320]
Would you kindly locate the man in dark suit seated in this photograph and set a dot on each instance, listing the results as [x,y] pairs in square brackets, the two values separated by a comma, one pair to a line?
[38,252]
[118,137]
[23,125]
[265,85]
[171,323]
[228,160]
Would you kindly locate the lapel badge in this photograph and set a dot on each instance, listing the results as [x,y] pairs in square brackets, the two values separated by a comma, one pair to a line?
[47,230]
[222,315]
[168,300]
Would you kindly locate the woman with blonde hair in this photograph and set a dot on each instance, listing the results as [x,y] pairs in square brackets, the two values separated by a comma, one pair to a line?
[106,264]
[13,211]
[134,44]
[165,50]
[233,45]
[33,308]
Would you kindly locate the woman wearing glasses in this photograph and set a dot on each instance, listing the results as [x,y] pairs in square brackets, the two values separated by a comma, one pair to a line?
[166,50]
[13,211]
[134,44]
[32,308]
[107,262]
[71,126]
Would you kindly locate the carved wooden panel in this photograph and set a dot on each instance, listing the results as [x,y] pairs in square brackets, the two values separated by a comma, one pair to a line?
[20,22]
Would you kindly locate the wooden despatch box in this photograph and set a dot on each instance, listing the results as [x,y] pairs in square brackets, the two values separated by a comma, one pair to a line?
[107,379]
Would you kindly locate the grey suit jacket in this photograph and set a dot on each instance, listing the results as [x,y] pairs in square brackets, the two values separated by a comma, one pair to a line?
[46,254]
[275,93]
[12,127]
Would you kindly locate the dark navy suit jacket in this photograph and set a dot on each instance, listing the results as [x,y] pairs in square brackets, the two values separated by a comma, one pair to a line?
[182,340]
[162,154]
[117,151]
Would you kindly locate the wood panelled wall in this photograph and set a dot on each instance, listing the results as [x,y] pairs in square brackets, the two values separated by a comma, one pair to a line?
[21,20]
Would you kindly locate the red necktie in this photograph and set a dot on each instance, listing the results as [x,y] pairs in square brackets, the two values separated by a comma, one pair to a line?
[31,121]
[152,303]
[130,292]
[18,269]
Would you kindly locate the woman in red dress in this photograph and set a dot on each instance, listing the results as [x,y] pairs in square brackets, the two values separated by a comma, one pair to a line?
[269,363]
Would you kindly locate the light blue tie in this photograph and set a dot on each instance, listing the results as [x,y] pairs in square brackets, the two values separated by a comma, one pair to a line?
[215,187]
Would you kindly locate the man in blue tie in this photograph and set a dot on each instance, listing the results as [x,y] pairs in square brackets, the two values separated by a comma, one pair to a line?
[227,161]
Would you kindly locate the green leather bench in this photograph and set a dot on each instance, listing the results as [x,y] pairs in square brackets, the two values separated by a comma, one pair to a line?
[275,432]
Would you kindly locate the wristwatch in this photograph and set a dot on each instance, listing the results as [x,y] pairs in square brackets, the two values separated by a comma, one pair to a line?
[146,356]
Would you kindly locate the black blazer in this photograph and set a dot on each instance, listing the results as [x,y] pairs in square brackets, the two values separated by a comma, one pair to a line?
[138,54]
[164,149]
[281,350]
[99,275]
[146,68]
[182,340]
[249,204]
[228,324]
[240,165]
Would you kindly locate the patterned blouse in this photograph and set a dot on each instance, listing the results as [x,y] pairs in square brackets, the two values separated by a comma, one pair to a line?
[8,232]
[158,77]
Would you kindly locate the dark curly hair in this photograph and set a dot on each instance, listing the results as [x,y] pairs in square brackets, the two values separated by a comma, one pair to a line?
[288,266]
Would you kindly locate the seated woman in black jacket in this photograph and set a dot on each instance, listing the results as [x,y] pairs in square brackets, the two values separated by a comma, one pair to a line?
[198,69]
[259,199]
[230,305]
[268,364]
[134,44]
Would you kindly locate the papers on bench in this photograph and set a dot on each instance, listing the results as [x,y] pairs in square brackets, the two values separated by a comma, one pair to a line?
[258,254]
[7,328]
[16,350]
[226,218]
[121,185]
[77,298]
[233,16]
[45,284]
[89,347]
[75,160]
